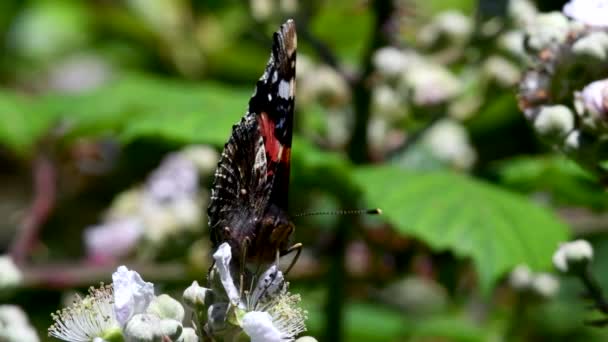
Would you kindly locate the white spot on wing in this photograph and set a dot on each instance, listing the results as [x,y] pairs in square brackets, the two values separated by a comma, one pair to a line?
[284,89]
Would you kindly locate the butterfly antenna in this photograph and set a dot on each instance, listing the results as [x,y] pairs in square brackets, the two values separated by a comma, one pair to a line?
[376,211]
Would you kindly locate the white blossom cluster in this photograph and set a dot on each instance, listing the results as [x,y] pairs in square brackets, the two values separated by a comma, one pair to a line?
[523,279]
[265,310]
[126,310]
[564,94]
[169,203]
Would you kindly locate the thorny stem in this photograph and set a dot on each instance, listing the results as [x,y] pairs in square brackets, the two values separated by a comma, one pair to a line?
[45,179]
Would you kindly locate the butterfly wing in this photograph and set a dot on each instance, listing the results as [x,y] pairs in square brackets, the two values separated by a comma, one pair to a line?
[253,171]
[273,104]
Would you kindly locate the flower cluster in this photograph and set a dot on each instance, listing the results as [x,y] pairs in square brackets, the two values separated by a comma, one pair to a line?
[541,284]
[564,94]
[265,312]
[127,310]
[169,203]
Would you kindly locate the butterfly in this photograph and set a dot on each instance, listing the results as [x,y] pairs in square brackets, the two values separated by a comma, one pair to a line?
[248,205]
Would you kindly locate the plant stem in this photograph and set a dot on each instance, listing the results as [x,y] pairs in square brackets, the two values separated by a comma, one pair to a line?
[357,148]
[594,290]
[26,238]
[336,297]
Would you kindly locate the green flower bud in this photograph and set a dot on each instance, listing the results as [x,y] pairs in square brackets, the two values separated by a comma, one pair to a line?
[166,307]
[554,122]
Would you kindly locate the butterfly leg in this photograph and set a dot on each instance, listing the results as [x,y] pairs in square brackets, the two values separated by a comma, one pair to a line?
[296,247]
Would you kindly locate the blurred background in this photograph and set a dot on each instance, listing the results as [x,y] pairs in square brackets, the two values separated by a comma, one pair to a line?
[113,112]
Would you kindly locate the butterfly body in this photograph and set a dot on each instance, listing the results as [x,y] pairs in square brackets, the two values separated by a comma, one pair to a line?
[248,205]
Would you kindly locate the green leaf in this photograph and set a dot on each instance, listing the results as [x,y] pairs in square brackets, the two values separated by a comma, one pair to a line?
[130,108]
[561,178]
[494,227]
[20,124]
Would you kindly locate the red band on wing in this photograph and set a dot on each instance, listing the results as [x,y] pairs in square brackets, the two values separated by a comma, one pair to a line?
[277,152]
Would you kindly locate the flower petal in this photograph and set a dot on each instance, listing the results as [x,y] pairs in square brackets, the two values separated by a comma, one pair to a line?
[258,325]
[222,257]
[269,285]
[132,295]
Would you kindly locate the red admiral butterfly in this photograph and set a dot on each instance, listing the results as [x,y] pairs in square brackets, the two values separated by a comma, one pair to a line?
[248,206]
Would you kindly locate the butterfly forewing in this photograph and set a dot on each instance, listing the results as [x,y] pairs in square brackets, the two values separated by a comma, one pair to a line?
[252,178]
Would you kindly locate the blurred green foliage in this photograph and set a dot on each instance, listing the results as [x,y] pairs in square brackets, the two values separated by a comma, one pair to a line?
[181,73]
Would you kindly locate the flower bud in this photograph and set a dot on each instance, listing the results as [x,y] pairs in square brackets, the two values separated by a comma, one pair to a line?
[545,285]
[547,29]
[573,256]
[196,297]
[204,157]
[11,275]
[452,25]
[170,328]
[589,12]
[500,69]
[449,142]
[432,84]
[143,328]
[306,339]
[594,45]
[188,335]
[261,9]
[166,307]
[521,277]
[522,12]
[390,61]
[554,122]
[592,105]
[217,316]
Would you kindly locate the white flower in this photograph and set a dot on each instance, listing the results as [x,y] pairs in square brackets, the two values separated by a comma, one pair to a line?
[545,285]
[131,294]
[390,61]
[431,83]
[572,253]
[268,313]
[590,12]
[89,317]
[261,9]
[273,313]
[522,12]
[521,277]
[204,157]
[554,122]
[10,274]
[113,239]
[546,29]
[595,98]
[14,325]
[449,142]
